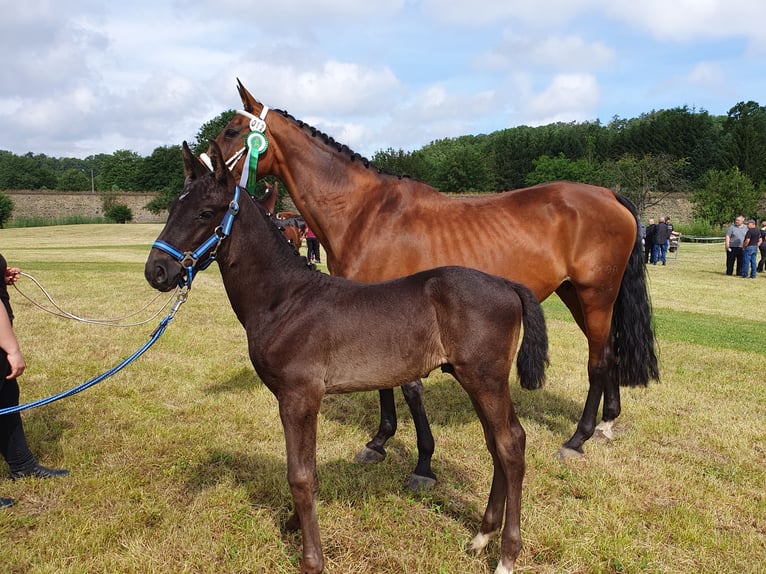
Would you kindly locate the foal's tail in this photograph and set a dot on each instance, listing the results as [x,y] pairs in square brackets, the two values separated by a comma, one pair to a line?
[632,336]
[532,357]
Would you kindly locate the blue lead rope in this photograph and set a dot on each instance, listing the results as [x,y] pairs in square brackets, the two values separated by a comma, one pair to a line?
[152,339]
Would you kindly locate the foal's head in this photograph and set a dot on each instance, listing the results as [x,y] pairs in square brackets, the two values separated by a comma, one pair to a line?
[193,219]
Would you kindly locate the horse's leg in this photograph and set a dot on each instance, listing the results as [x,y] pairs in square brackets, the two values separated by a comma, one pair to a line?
[611,409]
[422,476]
[506,442]
[298,412]
[596,324]
[374,451]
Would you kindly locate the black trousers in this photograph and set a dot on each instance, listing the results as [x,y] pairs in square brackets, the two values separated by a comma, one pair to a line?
[648,246]
[13,442]
[732,257]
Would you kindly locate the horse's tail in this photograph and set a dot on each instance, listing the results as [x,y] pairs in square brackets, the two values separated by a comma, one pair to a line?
[632,335]
[532,358]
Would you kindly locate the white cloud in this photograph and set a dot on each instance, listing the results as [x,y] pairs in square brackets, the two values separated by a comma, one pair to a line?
[568,52]
[568,97]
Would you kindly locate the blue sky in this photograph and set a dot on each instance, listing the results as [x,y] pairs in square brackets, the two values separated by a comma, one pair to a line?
[84,77]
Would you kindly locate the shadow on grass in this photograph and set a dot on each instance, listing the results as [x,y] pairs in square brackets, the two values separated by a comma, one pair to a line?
[448,404]
[44,429]
[351,484]
[244,380]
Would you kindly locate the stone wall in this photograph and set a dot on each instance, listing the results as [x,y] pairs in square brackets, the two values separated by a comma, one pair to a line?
[62,204]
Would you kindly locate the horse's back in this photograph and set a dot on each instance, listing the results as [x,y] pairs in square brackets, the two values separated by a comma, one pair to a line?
[538,236]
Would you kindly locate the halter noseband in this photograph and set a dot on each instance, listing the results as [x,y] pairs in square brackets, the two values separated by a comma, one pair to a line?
[188,259]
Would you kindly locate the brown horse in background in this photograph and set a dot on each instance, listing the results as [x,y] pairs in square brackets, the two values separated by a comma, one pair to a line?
[577,240]
[464,321]
[293,236]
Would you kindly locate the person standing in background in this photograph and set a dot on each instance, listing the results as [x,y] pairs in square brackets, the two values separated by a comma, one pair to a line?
[750,249]
[661,238]
[762,247]
[735,236]
[649,241]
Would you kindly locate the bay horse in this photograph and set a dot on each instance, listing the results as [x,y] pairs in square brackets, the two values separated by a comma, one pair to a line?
[355,337]
[579,241]
[293,236]
[268,202]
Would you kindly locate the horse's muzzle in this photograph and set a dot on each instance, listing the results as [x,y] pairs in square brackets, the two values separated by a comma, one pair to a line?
[162,273]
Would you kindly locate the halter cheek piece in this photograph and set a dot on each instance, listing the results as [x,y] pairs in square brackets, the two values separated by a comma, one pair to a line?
[257,125]
[189,259]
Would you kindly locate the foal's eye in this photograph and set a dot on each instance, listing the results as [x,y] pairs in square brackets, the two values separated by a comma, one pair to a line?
[205,215]
[230,133]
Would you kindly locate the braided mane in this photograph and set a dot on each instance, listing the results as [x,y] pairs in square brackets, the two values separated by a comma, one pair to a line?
[339,147]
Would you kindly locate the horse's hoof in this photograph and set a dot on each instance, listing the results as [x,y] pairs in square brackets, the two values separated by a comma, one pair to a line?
[479,543]
[369,455]
[605,430]
[565,453]
[418,482]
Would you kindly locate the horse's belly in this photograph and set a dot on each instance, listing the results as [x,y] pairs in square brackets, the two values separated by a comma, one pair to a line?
[372,373]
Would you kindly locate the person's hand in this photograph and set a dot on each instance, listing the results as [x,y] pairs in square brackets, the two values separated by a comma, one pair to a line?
[11,275]
[17,363]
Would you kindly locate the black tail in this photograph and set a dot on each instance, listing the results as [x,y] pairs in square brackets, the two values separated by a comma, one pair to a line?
[632,338]
[532,357]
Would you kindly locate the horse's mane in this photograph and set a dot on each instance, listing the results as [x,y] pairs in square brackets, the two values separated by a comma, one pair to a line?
[287,251]
[339,147]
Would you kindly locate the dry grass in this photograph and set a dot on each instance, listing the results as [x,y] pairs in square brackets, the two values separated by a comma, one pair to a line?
[178,461]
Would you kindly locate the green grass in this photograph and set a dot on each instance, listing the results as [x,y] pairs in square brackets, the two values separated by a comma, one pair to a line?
[27,221]
[178,461]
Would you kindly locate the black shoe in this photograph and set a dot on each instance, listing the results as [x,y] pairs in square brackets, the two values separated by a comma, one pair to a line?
[6,502]
[38,471]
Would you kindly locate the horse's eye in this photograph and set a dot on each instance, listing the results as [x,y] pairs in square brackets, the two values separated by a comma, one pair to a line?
[230,133]
[205,215]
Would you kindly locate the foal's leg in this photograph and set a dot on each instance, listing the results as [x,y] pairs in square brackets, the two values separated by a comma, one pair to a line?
[298,412]
[506,442]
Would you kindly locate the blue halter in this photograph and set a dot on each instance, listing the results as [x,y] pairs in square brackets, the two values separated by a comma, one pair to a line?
[189,259]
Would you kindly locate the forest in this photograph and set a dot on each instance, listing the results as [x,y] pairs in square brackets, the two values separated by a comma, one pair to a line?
[719,161]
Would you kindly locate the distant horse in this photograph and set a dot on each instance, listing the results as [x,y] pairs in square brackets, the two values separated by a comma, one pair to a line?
[357,337]
[293,236]
[269,200]
[289,227]
[577,240]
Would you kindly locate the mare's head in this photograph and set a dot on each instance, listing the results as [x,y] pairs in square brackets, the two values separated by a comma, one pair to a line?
[193,230]
[232,139]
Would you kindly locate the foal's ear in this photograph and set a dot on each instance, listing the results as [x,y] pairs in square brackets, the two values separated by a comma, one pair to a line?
[193,167]
[220,169]
[247,99]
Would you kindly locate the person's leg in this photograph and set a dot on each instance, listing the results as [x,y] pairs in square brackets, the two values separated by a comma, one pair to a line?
[13,442]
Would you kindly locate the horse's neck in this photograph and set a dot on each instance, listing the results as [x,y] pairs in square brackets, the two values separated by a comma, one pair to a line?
[257,267]
[331,193]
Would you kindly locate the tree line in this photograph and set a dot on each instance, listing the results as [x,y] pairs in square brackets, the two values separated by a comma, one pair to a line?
[719,160]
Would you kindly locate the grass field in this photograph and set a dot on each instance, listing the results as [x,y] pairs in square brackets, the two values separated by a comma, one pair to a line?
[178,461]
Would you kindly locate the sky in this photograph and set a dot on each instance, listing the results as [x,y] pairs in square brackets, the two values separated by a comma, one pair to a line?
[85,77]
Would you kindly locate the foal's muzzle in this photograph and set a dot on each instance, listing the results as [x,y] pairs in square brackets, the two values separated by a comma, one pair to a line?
[162,273]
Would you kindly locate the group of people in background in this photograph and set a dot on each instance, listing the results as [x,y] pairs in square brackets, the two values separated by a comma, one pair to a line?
[743,241]
[656,239]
